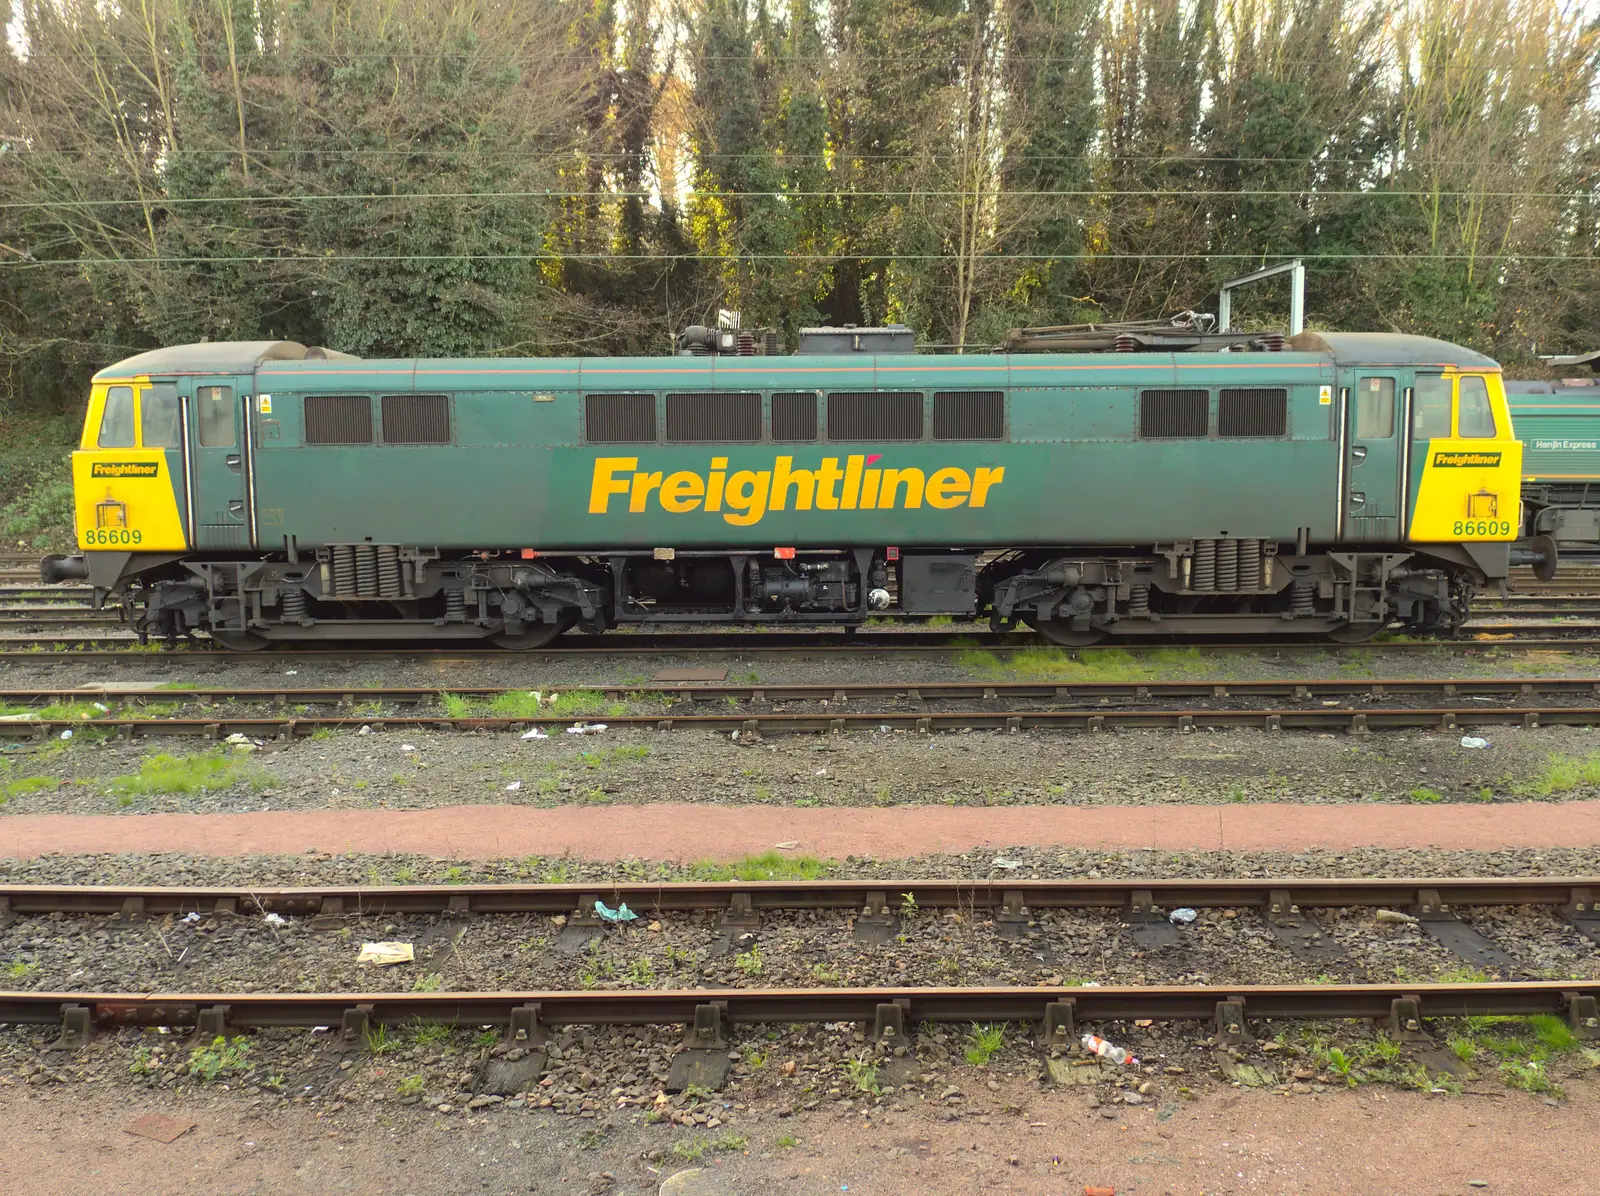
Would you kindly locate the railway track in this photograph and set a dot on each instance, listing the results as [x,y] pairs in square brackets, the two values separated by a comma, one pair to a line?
[1355,707]
[71,646]
[1010,906]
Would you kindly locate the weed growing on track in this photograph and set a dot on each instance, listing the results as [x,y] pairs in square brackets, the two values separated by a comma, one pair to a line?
[1426,795]
[221,1059]
[983,1041]
[1562,774]
[203,772]
[1099,664]
[24,785]
[769,865]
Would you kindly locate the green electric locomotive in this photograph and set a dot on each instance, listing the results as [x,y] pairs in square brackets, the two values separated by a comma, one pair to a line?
[1332,485]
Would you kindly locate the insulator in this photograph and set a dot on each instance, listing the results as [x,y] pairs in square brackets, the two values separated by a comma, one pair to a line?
[455,606]
[1300,598]
[294,605]
[1126,343]
[1250,577]
[770,343]
[344,569]
[366,571]
[1204,574]
[1139,602]
[1228,566]
[1272,342]
[747,344]
[388,571]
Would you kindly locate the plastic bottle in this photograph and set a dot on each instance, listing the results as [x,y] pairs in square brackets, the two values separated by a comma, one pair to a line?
[1096,1045]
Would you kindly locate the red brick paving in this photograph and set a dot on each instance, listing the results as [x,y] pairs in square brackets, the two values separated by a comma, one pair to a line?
[691,831]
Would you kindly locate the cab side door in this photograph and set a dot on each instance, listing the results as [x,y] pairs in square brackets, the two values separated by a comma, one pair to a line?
[217,427]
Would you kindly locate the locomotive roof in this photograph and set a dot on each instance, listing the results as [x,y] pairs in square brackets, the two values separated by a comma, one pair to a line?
[215,357]
[1345,348]
[1389,348]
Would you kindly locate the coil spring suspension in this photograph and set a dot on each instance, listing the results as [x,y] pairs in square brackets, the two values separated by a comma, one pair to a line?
[294,606]
[1139,602]
[1228,566]
[1250,575]
[455,606]
[1203,576]
[1300,599]
[344,569]
[366,571]
[388,571]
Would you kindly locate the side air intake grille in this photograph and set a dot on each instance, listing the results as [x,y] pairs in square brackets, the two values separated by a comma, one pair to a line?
[416,419]
[969,415]
[619,419]
[874,415]
[794,416]
[714,416]
[1173,414]
[338,419]
[1255,412]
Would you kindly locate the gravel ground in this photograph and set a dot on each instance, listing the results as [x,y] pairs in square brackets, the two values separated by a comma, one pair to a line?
[511,670]
[417,769]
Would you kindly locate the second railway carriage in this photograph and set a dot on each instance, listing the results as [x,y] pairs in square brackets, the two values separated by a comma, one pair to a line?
[263,492]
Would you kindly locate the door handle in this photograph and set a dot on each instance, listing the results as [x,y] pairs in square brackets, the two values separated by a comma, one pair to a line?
[234,462]
[1357,499]
[1359,452]
[236,509]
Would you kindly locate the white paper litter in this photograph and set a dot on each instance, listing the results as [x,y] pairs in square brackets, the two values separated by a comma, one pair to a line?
[514,786]
[272,919]
[101,707]
[1182,916]
[291,672]
[365,730]
[787,845]
[385,954]
[1001,862]
[408,747]
[1395,916]
[586,729]
[67,734]
[192,916]
[821,772]
[1473,741]
[535,734]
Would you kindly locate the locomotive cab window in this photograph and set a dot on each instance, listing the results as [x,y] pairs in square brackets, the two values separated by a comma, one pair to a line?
[1375,408]
[215,407]
[1474,418]
[116,421]
[1430,408]
[158,416]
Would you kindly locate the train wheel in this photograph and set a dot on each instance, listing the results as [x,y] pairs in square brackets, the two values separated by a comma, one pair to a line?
[1356,633]
[1057,632]
[239,641]
[536,636]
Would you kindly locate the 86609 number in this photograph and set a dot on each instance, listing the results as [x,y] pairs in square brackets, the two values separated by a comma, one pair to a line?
[1481,527]
[112,536]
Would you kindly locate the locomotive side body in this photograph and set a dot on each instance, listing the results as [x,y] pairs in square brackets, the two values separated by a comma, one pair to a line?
[266,492]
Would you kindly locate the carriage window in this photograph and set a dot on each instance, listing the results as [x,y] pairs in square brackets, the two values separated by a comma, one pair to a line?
[116,422]
[215,404]
[1474,418]
[1430,408]
[158,416]
[1374,408]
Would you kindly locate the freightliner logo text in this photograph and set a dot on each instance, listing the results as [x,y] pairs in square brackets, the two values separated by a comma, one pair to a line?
[744,496]
[1459,460]
[125,469]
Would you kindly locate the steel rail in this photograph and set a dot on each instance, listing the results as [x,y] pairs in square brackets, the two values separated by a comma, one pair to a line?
[66,649]
[1573,999]
[914,691]
[1353,719]
[1279,896]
